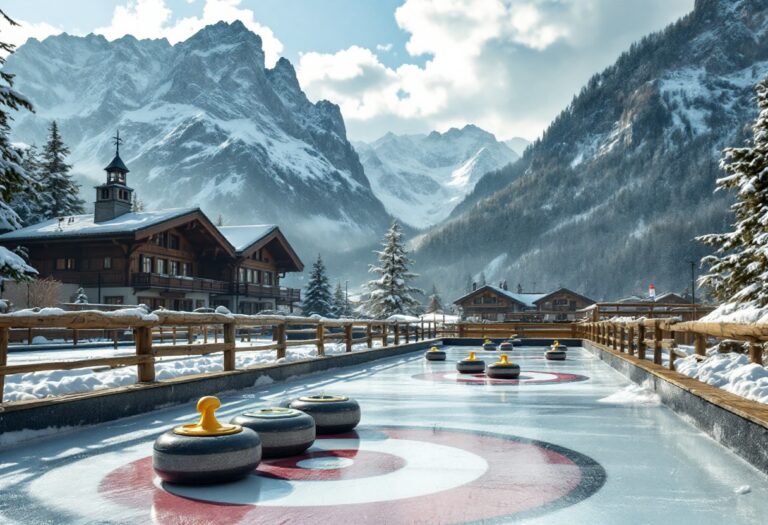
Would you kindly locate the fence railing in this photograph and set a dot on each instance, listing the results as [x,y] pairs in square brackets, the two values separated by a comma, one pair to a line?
[647,337]
[198,334]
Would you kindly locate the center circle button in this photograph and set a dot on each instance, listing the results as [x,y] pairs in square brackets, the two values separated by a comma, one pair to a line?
[325,463]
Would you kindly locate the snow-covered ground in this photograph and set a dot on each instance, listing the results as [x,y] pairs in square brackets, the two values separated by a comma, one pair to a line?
[732,372]
[37,385]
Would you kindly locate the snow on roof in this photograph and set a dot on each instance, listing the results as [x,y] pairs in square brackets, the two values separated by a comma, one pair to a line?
[528,299]
[243,236]
[82,225]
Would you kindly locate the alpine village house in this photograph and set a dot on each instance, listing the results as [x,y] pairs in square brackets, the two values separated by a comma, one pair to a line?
[175,259]
[496,303]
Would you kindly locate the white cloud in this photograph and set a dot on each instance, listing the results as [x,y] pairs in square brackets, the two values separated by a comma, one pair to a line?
[508,66]
[384,47]
[153,19]
[19,34]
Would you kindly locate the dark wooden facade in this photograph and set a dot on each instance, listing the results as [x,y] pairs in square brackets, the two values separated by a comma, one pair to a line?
[491,303]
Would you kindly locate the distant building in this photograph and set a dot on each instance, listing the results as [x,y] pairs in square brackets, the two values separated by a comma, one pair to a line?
[495,303]
[176,259]
[665,298]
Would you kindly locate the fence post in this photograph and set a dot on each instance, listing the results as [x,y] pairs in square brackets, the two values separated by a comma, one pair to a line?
[657,343]
[279,332]
[397,333]
[229,350]
[369,335]
[320,335]
[700,344]
[631,340]
[384,341]
[622,345]
[461,330]
[4,337]
[614,337]
[348,336]
[407,333]
[755,352]
[74,337]
[671,363]
[641,341]
[143,339]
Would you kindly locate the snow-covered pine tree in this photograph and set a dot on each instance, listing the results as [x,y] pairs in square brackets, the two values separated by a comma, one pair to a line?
[340,304]
[435,301]
[81,297]
[317,298]
[137,204]
[482,279]
[738,270]
[390,294]
[12,175]
[61,192]
[27,201]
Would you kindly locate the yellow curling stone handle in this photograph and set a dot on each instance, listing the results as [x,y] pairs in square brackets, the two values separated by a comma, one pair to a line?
[434,349]
[504,360]
[471,357]
[208,424]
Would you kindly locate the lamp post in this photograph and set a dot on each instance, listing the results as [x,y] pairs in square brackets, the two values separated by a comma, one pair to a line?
[346,298]
[693,282]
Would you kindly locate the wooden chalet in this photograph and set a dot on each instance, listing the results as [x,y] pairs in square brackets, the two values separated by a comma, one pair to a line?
[495,303]
[176,259]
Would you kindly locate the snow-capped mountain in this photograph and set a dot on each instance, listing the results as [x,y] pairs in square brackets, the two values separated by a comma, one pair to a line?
[421,178]
[205,123]
[517,144]
[613,194]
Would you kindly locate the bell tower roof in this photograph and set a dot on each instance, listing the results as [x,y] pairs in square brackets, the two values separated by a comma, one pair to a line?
[117,163]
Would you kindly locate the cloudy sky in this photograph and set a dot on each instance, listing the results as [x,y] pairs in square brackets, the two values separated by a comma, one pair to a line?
[406,66]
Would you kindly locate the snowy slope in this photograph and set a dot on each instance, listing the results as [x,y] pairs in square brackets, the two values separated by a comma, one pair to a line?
[205,124]
[420,178]
[611,197]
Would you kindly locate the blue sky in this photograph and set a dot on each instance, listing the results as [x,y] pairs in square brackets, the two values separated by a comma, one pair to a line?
[407,66]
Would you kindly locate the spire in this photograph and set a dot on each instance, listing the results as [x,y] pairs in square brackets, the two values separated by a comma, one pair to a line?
[118,141]
[117,163]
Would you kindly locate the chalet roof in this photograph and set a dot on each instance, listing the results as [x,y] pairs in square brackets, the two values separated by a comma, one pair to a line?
[525,299]
[244,236]
[562,289]
[84,226]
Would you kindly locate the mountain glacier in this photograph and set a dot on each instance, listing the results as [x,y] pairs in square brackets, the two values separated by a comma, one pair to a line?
[421,178]
[204,123]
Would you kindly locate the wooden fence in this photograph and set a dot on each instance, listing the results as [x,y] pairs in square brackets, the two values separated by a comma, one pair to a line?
[654,336]
[199,334]
[505,330]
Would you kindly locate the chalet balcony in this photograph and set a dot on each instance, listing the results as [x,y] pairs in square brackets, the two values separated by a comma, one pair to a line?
[281,294]
[145,281]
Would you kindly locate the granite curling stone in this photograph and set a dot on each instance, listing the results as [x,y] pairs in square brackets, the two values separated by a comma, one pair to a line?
[557,346]
[332,414]
[471,365]
[206,452]
[506,346]
[434,354]
[503,369]
[555,355]
[489,345]
[283,431]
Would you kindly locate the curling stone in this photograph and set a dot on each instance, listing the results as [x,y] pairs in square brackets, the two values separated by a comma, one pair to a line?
[506,346]
[557,346]
[283,431]
[471,365]
[332,414]
[489,345]
[555,355]
[503,369]
[435,355]
[207,451]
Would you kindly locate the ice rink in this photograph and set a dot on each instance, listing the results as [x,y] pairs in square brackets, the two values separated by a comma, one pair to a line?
[571,442]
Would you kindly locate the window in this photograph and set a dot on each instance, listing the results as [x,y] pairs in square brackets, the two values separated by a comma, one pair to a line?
[146,264]
[186,269]
[174,270]
[251,276]
[257,276]
[267,278]
[200,303]
[241,275]
[174,243]
[113,299]
[162,266]
[104,194]
[108,266]
[67,263]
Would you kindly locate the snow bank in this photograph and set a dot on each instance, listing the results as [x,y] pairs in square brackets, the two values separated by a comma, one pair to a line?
[737,313]
[136,312]
[732,372]
[632,395]
[37,385]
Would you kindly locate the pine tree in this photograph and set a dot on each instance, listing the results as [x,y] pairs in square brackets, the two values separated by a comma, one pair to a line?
[27,201]
[81,297]
[390,293]
[220,220]
[482,279]
[12,175]
[738,271]
[340,303]
[435,302]
[137,204]
[317,298]
[62,193]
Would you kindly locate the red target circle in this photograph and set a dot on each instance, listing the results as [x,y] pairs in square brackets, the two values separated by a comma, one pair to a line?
[523,478]
[361,463]
[528,377]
